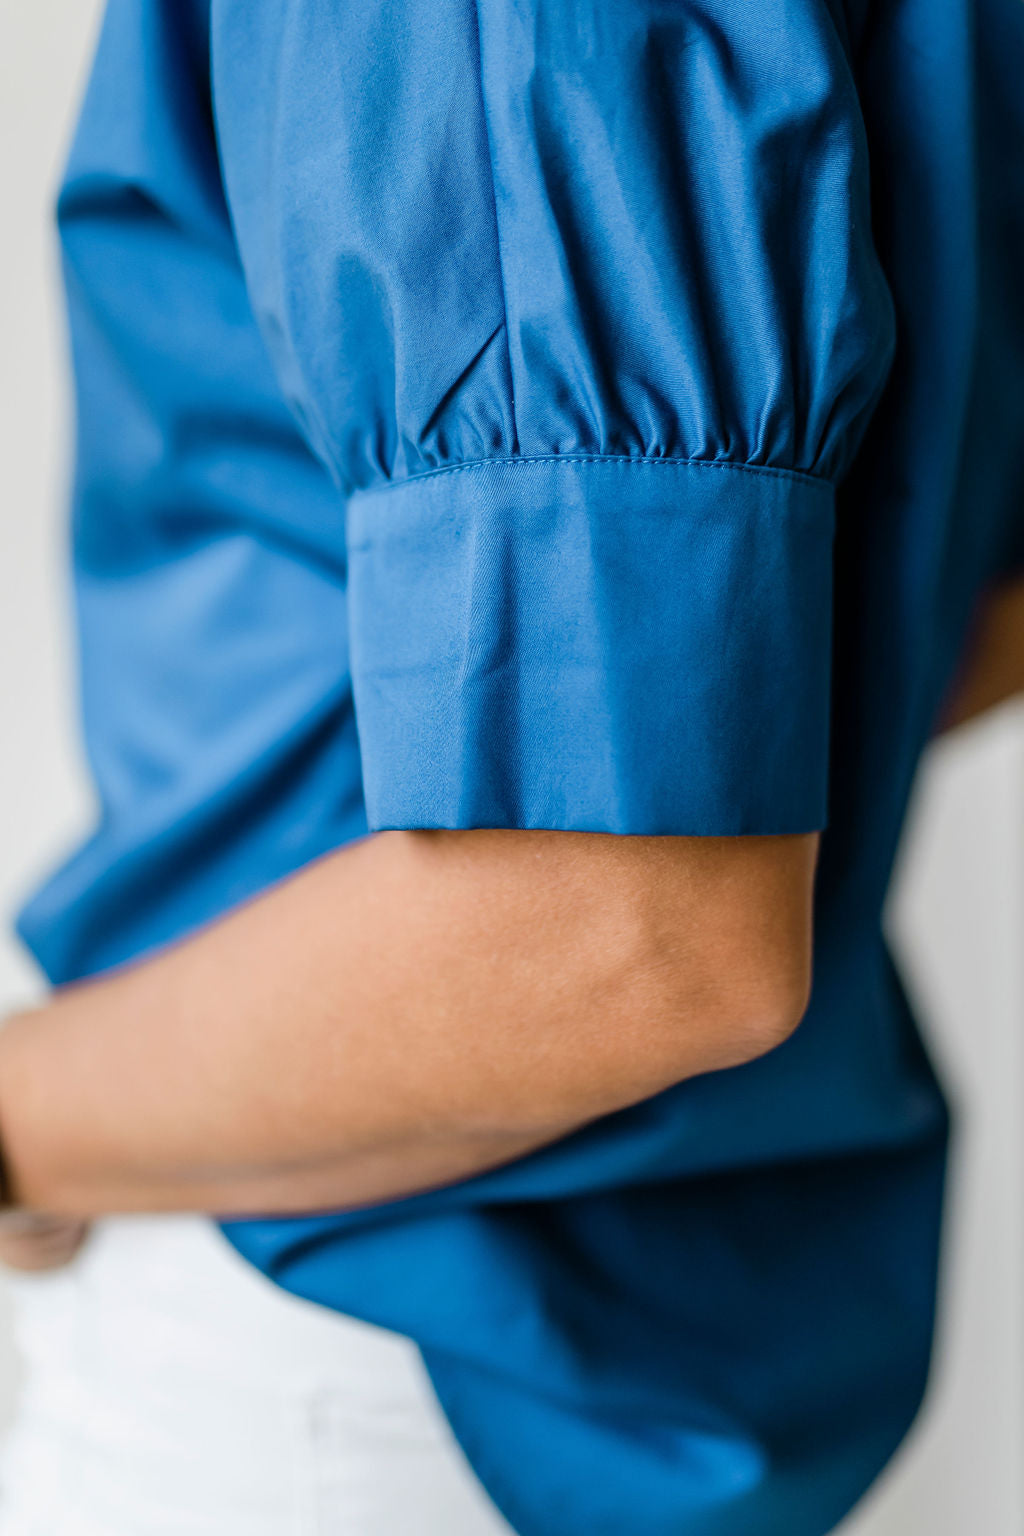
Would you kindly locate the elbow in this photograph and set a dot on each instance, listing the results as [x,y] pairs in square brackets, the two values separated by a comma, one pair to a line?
[676,957]
[676,1016]
[662,1027]
[691,1023]
[739,1009]
[760,1011]
[733,982]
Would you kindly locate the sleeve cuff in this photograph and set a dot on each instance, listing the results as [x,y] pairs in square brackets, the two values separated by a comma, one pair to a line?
[594,644]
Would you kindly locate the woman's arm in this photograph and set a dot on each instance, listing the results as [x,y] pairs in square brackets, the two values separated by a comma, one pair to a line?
[408,1011]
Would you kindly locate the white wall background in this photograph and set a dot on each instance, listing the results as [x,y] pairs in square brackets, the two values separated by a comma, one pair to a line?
[957,913]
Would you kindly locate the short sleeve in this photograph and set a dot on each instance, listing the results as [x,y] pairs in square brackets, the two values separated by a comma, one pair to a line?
[587,310]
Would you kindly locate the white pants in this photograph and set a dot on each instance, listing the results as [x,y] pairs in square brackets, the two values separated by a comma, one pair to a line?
[171,1388]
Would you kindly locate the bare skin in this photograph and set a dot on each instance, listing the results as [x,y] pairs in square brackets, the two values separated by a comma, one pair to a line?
[405,1012]
[34,1241]
[243,1070]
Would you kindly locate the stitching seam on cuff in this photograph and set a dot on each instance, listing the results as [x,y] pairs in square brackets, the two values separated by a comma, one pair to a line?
[382,487]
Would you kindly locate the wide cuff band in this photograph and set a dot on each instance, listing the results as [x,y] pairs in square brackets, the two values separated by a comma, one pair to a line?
[597,644]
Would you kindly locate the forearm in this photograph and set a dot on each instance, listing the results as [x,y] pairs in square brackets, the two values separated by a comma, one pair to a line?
[300,1052]
[404,1013]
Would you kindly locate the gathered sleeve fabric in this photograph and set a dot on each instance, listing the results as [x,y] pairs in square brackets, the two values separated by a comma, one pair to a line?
[582,305]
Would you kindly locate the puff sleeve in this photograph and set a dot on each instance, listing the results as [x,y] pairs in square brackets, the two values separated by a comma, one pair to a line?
[588,316]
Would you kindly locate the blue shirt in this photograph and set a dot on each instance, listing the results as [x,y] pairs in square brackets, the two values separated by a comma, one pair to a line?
[543,413]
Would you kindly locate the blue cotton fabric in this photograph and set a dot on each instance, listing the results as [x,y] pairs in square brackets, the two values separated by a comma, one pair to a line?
[572,415]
